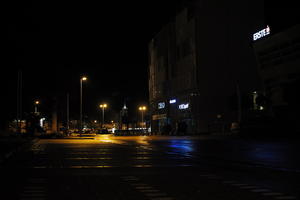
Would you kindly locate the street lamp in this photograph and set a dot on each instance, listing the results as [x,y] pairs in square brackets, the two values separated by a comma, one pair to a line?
[36,103]
[81,80]
[142,109]
[103,106]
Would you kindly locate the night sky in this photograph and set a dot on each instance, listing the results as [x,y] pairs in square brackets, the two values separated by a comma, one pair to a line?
[55,42]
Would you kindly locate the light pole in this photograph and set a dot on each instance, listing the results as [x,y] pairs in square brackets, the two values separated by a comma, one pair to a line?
[81,80]
[142,109]
[36,103]
[103,106]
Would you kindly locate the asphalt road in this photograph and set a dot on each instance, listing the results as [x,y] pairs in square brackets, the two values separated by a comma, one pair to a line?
[153,168]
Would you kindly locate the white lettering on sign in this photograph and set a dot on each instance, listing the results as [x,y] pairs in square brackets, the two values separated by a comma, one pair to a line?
[183,106]
[172,101]
[161,105]
[261,34]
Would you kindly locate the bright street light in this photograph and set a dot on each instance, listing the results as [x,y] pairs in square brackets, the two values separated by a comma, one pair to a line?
[103,106]
[142,109]
[81,79]
[36,103]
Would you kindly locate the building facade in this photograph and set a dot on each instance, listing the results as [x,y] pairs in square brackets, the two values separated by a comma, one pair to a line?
[278,57]
[199,61]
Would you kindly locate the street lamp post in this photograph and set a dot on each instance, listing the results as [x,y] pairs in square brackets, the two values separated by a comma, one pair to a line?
[142,109]
[81,80]
[36,103]
[103,106]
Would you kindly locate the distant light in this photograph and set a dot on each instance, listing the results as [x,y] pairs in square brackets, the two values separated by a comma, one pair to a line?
[42,122]
[84,78]
[261,108]
[95,121]
[161,105]
[37,102]
[260,34]
[103,105]
[183,106]
[142,108]
[172,101]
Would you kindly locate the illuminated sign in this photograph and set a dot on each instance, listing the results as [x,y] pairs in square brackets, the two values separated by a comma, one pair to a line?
[261,34]
[161,105]
[172,101]
[183,106]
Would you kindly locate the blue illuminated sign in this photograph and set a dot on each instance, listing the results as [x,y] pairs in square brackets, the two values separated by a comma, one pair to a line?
[172,101]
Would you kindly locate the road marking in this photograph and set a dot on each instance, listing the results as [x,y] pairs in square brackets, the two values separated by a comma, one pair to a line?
[249,187]
[149,190]
[36,180]
[286,197]
[34,191]
[33,195]
[138,184]
[229,182]
[156,194]
[260,190]
[143,187]
[272,194]
[207,175]
[239,184]
[34,187]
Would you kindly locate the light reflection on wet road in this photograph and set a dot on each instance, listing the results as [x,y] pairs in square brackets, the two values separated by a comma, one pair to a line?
[193,167]
[124,151]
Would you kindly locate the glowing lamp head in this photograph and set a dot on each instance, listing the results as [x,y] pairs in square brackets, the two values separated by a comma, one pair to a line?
[103,105]
[142,108]
[37,102]
[84,78]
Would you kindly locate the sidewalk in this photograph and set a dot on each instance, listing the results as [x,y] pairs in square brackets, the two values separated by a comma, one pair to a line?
[11,145]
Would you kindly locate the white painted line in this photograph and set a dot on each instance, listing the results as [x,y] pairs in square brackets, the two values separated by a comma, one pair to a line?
[162,198]
[249,187]
[34,191]
[156,194]
[205,175]
[33,195]
[143,187]
[128,177]
[146,191]
[286,197]
[272,194]
[239,184]
[34,187]
[138,184]
[229,182]
[31,198]
[260,190]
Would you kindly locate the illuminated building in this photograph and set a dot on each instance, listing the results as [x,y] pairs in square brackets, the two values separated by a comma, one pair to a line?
[197,61]
[278,57]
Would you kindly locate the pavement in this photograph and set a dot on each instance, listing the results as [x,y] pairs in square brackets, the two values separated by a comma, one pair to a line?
[153,168]
[10,145]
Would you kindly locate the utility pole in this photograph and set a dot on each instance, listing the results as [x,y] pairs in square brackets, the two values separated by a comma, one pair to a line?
[19,101]
[68,112]
[238,91]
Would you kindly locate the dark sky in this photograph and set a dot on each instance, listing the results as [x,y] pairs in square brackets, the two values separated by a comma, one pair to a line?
[55,42]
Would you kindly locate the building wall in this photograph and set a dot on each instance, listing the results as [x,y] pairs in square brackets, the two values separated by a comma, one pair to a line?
[209,53]
[279,63]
